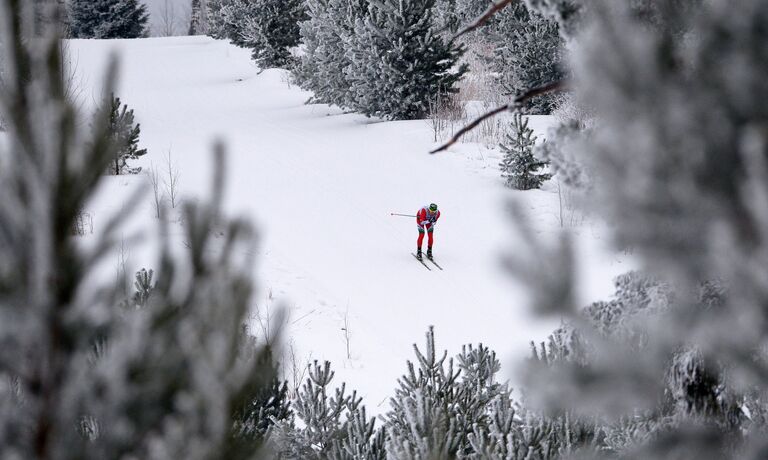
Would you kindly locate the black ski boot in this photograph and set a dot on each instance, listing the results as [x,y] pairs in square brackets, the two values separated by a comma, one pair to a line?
[418,253]
[429,252]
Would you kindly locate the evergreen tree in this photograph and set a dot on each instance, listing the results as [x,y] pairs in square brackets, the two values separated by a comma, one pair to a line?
[333,425]
[519,167]
[527,53]
[125,134]
[107,19]
[222,21]
[82,377]
[437,406]
[326,35]
[399,61]
[271,28]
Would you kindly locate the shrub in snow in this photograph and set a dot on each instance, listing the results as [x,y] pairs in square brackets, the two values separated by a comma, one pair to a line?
[124,132]
[81,377]
[519,167]
[399,61]
[107,19]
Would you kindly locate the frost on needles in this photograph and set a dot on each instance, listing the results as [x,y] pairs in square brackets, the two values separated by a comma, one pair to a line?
[84,372]
[385,59]
[107,19]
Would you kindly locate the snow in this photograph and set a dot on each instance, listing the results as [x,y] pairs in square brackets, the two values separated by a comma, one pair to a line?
[320,186]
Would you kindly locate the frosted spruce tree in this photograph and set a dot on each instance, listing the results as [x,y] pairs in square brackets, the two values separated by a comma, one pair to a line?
[327,34]
[333,424]
[682,181]
[527,53]
[83,374]
[438,405]
[125,133]
[269,27]
[399,62]
[272,29]
[107,19]
[219,21]
[519,167]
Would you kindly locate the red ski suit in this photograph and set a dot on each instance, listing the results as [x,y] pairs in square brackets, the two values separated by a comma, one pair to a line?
[426,220]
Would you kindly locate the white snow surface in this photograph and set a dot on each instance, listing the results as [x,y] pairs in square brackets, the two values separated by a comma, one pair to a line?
[320,185]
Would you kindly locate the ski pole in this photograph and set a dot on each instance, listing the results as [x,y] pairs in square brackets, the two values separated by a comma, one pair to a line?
[401,215]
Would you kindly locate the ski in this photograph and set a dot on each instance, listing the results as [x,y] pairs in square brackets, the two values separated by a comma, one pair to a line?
[422,262]
[436,264]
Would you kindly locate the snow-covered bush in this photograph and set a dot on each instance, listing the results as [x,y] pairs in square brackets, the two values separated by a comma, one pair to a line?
[107,19]
[519,167]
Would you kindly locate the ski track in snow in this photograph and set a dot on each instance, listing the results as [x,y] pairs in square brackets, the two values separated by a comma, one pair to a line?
[320,186]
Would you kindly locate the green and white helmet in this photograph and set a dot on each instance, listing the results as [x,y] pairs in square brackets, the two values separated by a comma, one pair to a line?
[433,207]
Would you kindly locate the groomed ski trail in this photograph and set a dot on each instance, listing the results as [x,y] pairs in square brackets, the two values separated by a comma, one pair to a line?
[320,186]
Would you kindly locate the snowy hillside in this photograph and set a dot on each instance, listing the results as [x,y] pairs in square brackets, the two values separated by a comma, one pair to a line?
[320,186]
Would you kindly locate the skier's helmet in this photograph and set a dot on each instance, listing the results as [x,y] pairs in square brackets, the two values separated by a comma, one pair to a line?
[433,207]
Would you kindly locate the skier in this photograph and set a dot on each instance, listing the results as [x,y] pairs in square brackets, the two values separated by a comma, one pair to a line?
[426,219]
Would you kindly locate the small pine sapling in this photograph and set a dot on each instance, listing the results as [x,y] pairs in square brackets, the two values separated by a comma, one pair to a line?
[143,286]
[125,135]
[519,166]
[324,416]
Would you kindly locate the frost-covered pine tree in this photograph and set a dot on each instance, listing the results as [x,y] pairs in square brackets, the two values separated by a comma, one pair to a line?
[527,53]
[332,425]
[399,61]
[217,25]
[682,181]
[326,35]
[519,167]
[437,405]
[125,134]
[271,29]
[107,18]
[81,375]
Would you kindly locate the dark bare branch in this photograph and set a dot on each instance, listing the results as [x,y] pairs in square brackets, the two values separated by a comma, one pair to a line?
[495,7]
[517,103]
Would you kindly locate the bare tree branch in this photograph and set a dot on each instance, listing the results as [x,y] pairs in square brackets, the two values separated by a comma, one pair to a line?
[514,105]
[495,7]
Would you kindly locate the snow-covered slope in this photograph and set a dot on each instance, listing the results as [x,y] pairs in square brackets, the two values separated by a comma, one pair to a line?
[321,185]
